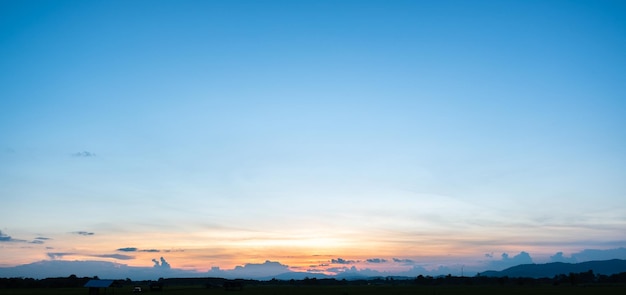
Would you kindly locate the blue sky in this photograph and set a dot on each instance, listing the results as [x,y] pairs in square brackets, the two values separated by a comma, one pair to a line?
[233,132]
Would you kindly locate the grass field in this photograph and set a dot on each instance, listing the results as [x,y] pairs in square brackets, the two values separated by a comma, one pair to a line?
[347,290]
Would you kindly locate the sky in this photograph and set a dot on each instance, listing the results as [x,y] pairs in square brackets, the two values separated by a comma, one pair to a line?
[316,136]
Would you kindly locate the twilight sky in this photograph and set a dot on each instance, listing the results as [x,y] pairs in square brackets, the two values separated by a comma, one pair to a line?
[378,135]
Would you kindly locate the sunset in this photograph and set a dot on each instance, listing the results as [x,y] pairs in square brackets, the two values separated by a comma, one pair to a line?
[249,139]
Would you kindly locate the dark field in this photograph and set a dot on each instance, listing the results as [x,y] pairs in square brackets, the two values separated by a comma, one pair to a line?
[345,290]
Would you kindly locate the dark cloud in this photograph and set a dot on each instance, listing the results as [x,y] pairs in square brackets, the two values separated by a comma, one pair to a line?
[162,264]
[376,260]
[6,238]
[127,249]
[405,261]
[39,240]
[58,255]
[341,261]
[83,154]
[83,233]
[133,249]
[115,256]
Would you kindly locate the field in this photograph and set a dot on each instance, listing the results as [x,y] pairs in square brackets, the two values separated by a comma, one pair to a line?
[346,290]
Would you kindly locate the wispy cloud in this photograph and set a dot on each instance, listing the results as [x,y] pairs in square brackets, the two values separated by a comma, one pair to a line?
[376,260]
[404,261]
[58,255]
[39,240]
[115,256]
[341,261]
[127,249]
[83,154]
[133,249]
[84,233]
[341,269]
[6,238]
[321,264]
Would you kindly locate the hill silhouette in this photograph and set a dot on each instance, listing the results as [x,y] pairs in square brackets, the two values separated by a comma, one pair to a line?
[548,270]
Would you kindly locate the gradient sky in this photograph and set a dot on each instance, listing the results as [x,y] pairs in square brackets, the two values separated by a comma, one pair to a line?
[219,133]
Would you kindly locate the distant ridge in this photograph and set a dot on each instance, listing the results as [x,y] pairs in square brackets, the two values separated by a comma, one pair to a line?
[548,270]
[274,270]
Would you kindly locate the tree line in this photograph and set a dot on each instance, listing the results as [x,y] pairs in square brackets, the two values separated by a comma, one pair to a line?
[583,278]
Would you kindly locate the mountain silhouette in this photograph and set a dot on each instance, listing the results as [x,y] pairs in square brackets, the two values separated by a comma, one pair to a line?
[548,270]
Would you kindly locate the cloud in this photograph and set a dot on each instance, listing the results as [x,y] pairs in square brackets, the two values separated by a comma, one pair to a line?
[339,266]
[6,238]
[133,249]
[338,269]
[58,255]
[39,240]
[83,233]
[83,154]
[590,255]
[162,264]
[506,261]
[376,260]
[595,254]
[403,261]
[267,268]
[127,249]
[558,257]
[115,256]
[341,261]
